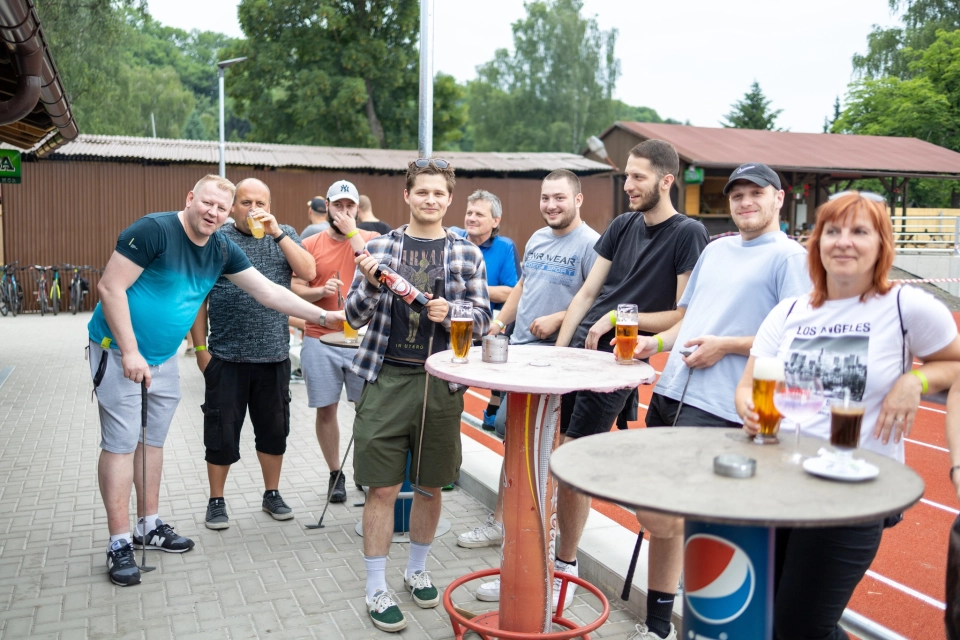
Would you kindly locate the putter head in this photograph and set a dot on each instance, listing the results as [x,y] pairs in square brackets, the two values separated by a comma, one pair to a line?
[145,569]
[422,492]
[319,525]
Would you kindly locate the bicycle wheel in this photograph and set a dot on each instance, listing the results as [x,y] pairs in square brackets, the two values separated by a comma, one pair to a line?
[55,297]
[16,298]
[4,293]
[75,296]
[42,299]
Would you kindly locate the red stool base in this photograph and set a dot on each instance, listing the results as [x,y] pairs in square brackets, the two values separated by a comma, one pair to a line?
[486,624]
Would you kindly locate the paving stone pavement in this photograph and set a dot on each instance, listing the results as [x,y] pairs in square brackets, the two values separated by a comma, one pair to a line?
[258,579]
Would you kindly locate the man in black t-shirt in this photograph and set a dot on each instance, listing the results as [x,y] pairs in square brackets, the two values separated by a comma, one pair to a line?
[645,257]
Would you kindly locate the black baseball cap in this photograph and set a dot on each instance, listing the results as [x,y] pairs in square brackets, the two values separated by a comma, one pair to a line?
[319,205]
[756,173]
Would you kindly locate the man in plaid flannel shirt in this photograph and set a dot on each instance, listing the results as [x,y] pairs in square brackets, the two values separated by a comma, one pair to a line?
[390,359]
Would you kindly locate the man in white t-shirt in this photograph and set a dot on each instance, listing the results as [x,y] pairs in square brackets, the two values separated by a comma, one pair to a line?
[556,261]
[735,284]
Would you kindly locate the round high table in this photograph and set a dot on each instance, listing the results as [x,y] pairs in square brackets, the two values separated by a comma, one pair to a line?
[730,522]
[534,377]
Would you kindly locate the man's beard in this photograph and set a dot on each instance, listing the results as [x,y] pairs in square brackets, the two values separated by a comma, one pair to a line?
[333,225]
[649,201]
[564,221]
[760,221]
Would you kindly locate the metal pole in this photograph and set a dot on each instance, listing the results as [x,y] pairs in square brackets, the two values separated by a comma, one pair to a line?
[425,139]
[223,166]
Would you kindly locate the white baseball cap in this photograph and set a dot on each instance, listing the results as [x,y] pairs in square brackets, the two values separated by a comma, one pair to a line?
[342,189]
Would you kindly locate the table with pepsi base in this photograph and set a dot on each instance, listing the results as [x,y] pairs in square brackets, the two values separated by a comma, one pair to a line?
[730,522]
[534,377]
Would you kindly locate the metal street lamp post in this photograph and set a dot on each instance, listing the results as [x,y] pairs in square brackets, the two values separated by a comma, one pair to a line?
[220,67]
[426,79]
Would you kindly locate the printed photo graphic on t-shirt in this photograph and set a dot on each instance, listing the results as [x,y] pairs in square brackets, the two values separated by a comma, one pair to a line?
[839,361]
[420,263]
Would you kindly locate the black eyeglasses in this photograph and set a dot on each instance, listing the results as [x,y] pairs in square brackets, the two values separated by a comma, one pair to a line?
[425,162]
[869,195]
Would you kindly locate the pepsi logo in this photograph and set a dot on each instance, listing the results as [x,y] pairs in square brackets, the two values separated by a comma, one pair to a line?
[718,578]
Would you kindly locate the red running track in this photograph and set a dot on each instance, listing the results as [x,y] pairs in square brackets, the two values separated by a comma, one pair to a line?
[905,588]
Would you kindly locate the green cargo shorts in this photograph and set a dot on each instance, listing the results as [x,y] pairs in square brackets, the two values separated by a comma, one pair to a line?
[387,426]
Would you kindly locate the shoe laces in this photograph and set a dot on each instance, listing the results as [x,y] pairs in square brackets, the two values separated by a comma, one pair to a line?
[124,556]
[383,600]
[274,499]
[420,580]
[217,509]
[165,530]
[488,524]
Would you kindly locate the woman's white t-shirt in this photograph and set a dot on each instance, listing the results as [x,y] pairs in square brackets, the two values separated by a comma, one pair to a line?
[857,345]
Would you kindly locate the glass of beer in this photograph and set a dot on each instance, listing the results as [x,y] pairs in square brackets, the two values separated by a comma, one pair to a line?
[846,417]
[766,373]
[626,333]
[461,329]
[350,334]
[256,227]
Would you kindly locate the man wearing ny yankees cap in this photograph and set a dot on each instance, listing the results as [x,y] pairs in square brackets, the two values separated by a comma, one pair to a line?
[736,282]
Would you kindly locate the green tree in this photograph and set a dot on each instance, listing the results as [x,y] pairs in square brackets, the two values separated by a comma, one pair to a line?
[753,112]
[890,51]
[554,91]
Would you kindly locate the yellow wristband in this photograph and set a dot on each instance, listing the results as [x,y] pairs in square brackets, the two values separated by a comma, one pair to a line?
[613,317]
[352,233]
[499,323]
[923,380]
[659,343]
[200,347]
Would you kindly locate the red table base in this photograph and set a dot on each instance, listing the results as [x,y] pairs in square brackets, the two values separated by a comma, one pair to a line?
[486,625]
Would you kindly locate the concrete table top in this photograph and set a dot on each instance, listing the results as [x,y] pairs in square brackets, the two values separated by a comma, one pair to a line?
[542,370]
[671,471]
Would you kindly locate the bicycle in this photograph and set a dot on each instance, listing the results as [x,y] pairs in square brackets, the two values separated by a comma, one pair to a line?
[41,287]
[55,289]
[79,287]
[11,297]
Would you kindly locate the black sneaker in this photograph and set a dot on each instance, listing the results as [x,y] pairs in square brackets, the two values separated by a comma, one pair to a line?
[217,517]
[339,493]
[164,538]
[275,506]
[122,564]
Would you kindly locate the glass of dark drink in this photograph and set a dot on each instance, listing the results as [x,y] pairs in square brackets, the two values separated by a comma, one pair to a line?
[846,417]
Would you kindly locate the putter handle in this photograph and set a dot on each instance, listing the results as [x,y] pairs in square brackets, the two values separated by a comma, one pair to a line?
[438,331]
[143,403]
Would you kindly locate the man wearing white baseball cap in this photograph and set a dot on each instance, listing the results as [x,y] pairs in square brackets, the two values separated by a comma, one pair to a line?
[326,368]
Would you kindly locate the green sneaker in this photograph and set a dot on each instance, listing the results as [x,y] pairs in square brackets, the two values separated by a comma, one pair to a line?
[385,613]
[424,593]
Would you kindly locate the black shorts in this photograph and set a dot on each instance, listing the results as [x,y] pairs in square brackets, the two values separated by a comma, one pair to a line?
[231,387]
[663,411]
[591,412]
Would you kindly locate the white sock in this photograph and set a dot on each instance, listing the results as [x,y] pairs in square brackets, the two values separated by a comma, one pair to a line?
[376,575]
[418,558]
[149,524]
[119,536]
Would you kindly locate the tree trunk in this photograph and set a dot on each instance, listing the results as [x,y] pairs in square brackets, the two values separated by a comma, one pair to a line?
[375,127]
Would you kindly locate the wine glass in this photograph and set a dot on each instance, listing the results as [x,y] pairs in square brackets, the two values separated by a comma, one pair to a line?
[798,397]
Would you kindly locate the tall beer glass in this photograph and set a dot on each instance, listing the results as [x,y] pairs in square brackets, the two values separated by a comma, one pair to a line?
[350,334]
[461,329]
[626,333]
[766,373]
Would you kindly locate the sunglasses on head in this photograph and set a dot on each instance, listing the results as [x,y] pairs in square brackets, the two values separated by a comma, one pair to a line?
[425,162]
[869,195]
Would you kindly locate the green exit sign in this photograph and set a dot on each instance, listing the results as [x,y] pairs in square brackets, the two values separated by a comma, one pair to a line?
[10,168]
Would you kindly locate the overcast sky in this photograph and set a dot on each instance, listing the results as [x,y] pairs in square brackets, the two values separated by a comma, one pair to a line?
[689,60]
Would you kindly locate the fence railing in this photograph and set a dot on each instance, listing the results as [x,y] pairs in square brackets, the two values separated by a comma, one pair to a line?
[926,234]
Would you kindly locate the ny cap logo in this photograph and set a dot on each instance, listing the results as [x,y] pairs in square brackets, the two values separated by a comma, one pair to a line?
[344,188]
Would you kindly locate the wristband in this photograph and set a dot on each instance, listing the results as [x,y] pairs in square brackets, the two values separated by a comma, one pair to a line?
[952,469]
[659,343]
[923,381]
[499,323]
[352,233]
[323,318]
[283,234]
[613,317]
[200,347]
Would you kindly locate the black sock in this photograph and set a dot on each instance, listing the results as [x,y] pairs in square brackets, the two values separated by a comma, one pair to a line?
[572,563]
[267,493]
[334,474]
[212,500]
[659,611]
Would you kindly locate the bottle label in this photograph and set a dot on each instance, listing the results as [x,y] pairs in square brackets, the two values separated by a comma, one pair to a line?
[401,287]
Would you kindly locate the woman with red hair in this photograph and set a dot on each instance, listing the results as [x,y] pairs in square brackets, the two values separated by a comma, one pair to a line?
[859,333]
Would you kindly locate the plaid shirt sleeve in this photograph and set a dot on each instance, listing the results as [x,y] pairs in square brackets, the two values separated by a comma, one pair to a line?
[467,280]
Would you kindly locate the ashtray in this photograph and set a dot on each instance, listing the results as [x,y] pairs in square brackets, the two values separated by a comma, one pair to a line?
[734,466]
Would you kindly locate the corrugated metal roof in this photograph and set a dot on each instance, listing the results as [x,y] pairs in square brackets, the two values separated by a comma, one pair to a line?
[301,156]
[787,151]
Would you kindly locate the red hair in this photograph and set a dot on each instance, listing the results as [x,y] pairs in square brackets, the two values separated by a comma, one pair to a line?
[839,211]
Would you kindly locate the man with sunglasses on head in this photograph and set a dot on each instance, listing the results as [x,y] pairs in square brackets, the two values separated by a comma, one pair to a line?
[389,421]
[326,368]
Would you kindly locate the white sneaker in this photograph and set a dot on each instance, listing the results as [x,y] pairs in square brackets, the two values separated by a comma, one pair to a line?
[489,534]
[570,569]
[643,633]
[489,591]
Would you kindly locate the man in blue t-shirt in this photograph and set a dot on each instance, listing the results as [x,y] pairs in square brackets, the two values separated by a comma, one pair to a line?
[162,269]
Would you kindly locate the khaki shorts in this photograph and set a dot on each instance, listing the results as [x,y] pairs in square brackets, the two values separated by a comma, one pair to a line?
[387,426]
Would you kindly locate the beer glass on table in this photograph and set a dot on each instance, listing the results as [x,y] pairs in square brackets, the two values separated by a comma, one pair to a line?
[350,334]
[766,373]
[798,397]
[626,333]
[846,418]
[461,329]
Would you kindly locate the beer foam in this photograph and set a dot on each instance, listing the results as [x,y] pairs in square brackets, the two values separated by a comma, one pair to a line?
[768,369]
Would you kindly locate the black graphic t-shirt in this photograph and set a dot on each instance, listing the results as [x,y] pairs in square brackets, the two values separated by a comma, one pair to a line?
[421,261]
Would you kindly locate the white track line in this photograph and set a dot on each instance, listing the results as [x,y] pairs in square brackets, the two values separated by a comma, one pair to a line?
[907,590]
[934,410]
[477,395]
[937,505]
[924,444]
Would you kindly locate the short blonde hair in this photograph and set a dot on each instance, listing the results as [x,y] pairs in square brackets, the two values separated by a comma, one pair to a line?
[220,183]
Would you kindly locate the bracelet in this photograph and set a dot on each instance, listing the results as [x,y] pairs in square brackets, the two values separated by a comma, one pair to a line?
[283,234]
[499,323]
[925,384]
[613,317]
[659,343]
[353,233]
[323,317]
[952,469]
[200,347]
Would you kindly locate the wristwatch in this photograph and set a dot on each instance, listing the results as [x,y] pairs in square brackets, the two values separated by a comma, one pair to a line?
[323,317]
